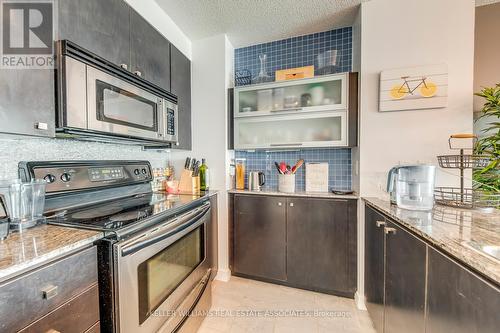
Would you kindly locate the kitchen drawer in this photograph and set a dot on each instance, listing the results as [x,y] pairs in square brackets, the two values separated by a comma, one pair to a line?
[80,314]
[36,293]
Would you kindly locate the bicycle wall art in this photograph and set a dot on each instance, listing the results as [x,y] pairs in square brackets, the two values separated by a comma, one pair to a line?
[424,87]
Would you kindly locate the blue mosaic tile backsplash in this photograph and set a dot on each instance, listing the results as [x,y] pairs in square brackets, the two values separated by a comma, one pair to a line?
[297,52]
[339,160]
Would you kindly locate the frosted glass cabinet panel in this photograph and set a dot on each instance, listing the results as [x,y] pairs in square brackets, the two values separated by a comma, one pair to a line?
[315,94]
[324,129]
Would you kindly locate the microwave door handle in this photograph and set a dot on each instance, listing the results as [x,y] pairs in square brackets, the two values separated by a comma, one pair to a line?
[161,119]
[184,226]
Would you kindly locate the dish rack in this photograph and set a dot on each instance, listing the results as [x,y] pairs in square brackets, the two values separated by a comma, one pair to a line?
[463,197]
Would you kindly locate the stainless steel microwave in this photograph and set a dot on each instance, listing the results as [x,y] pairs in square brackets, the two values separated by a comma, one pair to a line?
[102,101]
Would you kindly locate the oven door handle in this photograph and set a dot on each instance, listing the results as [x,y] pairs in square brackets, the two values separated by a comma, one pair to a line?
[184,226]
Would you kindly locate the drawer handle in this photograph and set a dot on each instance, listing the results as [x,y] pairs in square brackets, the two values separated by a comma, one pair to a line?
[379,223]
[388,230]
[49,292]
[291,204]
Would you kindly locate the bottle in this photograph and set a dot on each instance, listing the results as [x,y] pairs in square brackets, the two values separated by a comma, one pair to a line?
[204,178]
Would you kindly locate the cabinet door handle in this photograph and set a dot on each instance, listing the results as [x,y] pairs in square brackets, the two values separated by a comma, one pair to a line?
[379,223]
[41,126]
[280,204]
[291,204]
[124,66]
[49,292]
[389,230]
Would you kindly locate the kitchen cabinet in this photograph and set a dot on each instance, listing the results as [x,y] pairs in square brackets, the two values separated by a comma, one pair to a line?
[100,26]
[412,287]
[260,237]
[149,52]
[374,266]
[405,269]
[321,243]
[27,102]
[395,273]
[315,112]
[308,243]
[60,296]
[459,301]
[181,87]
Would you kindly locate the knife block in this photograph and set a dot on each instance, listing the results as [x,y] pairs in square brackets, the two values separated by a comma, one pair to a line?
[186,181]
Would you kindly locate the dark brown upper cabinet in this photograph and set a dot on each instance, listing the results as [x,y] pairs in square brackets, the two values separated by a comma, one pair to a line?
[181,87]
[100,26]
[149,52]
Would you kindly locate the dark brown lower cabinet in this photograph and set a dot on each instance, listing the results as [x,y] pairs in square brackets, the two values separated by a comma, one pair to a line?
[405,262]
[459,301]
[374,266]
[421,289]
[319,246]
[260,236]
[308,243]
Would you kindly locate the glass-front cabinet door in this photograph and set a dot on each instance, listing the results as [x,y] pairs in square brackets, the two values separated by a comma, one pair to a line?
[295,96]
[320,129]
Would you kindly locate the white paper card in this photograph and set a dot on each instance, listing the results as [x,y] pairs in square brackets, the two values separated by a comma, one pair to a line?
[316,177]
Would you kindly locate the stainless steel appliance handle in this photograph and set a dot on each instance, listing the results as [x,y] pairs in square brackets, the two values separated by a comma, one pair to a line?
[186,223]
[285,144]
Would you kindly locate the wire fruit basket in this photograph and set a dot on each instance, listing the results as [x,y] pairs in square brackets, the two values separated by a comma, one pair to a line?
[463,197]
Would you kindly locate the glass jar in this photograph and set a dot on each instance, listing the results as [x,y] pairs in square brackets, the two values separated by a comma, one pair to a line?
[240,165]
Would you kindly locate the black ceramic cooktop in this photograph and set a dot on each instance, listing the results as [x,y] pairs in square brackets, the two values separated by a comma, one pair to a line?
[117,214]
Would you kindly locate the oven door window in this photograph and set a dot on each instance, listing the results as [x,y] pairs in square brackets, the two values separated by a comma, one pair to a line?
[160,275]
[119,106]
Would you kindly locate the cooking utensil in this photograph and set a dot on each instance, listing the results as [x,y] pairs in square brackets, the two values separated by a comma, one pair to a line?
[283,167]
[297,165]
[278,168]
[187,163]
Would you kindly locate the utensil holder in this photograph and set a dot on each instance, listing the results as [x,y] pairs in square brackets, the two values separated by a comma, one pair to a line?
[286,183]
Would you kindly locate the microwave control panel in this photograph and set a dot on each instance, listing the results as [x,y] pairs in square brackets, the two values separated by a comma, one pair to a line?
[170,122]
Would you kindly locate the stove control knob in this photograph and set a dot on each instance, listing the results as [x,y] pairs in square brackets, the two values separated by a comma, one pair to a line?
[136,172]
[49,178]
[65,177]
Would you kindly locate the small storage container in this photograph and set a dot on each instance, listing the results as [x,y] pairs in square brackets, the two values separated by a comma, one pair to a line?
[286,183]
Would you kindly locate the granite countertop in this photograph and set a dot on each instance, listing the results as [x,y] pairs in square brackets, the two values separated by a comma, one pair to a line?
[464,234]
[326,195]
[34,247]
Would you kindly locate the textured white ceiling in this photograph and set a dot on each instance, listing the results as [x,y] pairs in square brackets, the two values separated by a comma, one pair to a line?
[485,2]
[248,22]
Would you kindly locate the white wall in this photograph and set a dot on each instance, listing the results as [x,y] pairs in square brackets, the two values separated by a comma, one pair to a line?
[405,33]
[211,77]
[155,15]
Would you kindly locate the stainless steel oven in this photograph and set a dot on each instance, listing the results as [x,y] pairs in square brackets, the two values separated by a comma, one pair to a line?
[162,273]
[97,98]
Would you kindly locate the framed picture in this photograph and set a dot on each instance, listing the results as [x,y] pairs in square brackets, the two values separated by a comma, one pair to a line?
[424,87]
